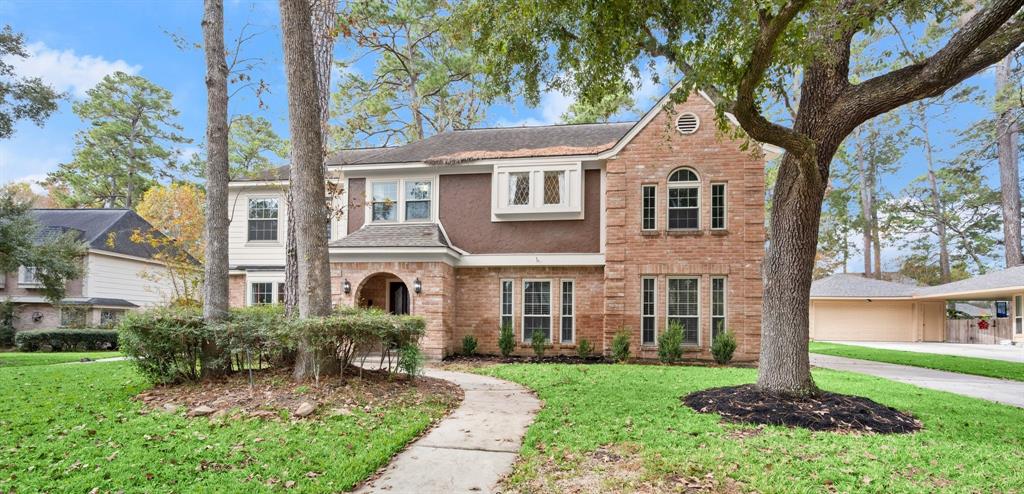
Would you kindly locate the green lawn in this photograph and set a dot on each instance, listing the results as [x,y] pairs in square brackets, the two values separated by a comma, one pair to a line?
[67,428]
[967,445]
[964,365]
[21,359]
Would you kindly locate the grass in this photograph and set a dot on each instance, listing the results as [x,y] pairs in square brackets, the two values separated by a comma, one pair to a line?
[22,359]
[965,365]
[967,445]
[75,428]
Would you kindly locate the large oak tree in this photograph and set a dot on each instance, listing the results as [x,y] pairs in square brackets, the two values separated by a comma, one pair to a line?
[741,52]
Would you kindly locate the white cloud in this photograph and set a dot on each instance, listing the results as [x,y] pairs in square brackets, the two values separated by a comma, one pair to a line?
[33,181]
[66,70]
[552,105]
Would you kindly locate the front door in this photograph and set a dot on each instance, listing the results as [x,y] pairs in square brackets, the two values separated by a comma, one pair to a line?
[398,298]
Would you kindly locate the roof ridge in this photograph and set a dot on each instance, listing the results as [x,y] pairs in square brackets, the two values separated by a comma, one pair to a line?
[630,122]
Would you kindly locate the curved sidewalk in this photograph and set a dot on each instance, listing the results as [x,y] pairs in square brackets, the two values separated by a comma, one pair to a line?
[471,449]
[986,388]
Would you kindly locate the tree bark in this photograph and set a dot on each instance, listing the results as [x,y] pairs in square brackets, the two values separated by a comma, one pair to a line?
[307,173]
[938,211]
[1009,172]
[215,281]
[865,201]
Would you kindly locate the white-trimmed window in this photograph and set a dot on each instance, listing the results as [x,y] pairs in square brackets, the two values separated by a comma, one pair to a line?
[73,317]
[568,311]
[261,293]
[718,209]
[263,215]
[648,319]
[280,293]
[417,199]
[536,308]
[28,276]
[401,200]
[649,208]
[109,317]
[507,303]
[1018,316]
[684,307]
[549,191]
[683,200]
[384,202]
[718,306]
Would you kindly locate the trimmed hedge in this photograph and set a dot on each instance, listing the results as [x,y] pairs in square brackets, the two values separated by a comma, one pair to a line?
[66,340]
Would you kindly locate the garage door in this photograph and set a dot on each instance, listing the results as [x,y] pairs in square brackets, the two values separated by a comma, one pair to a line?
[862,320]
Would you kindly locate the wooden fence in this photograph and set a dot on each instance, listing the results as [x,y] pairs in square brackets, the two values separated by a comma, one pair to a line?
[967,331]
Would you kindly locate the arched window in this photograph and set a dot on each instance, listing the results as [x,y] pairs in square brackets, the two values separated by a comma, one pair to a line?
[683,200]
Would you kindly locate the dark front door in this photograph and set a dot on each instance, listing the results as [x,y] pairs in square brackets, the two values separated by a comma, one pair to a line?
[398,298]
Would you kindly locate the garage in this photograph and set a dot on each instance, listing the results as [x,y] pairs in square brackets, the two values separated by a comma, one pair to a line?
[848,307]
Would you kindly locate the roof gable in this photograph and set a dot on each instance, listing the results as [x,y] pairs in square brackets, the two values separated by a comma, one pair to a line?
[108,230]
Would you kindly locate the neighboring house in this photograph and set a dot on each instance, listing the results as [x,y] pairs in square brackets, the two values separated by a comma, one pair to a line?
[578,231]
[850,307]
[120,274]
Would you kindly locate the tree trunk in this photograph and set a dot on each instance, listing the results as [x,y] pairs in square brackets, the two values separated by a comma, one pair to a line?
[307,173]
[1009,173]
[938,211]
[865,201]
[876,239]
[215,281]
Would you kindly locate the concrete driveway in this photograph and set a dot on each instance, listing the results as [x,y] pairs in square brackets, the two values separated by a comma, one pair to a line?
[1008,353]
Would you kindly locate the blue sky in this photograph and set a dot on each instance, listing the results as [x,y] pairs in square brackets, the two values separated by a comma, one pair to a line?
[74,43]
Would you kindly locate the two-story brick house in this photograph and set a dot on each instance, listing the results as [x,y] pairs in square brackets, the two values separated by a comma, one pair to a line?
[578,231]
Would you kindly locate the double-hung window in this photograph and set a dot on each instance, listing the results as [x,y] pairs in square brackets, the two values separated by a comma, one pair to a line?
[718,207]
[393,201]
[684,307]
[261,293]
[683,200]
[1018,317]
[384,202]
[647,315]
[263,214]
[648,210]
[28,276]
[506,303]
[417,200]
[536,308]
[718,300]
[568,311]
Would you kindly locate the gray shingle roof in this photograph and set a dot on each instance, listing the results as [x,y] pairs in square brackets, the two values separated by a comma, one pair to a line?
[342,157]
[1007,278]
[410,235]
[857,286]
[87,301]
[462,145]
[101,229]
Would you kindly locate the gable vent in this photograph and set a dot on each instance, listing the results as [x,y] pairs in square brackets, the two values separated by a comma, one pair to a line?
[687,123]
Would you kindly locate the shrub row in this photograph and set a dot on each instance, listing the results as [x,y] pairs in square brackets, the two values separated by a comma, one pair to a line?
[167,343]
[66,340]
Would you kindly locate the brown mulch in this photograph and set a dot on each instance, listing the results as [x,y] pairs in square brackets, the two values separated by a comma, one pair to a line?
[823,412]
[274,392]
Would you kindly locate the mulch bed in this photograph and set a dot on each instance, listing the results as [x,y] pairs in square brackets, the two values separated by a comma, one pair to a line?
[823,412]
[514,359]
[274,393]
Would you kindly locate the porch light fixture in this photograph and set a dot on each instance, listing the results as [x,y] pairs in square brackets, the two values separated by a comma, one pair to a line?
[417,286]
[346,286]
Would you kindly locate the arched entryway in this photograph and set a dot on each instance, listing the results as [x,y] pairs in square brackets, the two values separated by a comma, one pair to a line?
[385,291]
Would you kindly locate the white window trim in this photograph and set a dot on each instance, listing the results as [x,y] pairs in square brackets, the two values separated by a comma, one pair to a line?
[251,293]
[501,302]
[699,312]
[643,189]
[725,205]
[400,204]
[682,185]
[1018,315]
[653,316]
[725,304]
[23,281]
[572,313]
[551,327]
[280,218]
[570,208]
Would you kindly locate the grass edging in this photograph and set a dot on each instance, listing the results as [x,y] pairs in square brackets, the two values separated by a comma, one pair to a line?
[999,369]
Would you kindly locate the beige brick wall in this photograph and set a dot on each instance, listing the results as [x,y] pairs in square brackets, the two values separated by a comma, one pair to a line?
[735,253]
[236,290]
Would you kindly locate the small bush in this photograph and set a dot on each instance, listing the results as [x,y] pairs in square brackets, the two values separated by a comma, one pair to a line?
[410,360]
[584,349]
[506,341]
[468,345]
[165,343]
[670,344]
[538,341]
[723,347]
[620,346]
[6,323]
[66,340]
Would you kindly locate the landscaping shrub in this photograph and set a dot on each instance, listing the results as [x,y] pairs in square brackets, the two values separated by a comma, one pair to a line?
[251,337]
[6,323]
[538,341]
[66,340]
[723,346]
[506,341]
[670,344]
[468,344]
[410,360]
[620,345]
[584,348]
[165,343]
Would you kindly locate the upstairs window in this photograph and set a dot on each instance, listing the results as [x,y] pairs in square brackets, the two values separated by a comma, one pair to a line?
[384,200]
[717,206]
[417,200]
[263,214]
[393,201]
[519,189]
[554,187]
[683,200]
[537,192]
[648,220]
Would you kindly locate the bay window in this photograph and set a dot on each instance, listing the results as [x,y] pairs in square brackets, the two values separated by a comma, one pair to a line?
[536,308]
[684,308]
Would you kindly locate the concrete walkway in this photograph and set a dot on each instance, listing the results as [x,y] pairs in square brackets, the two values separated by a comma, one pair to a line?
[997,390]
[471,449]
[1009,353]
